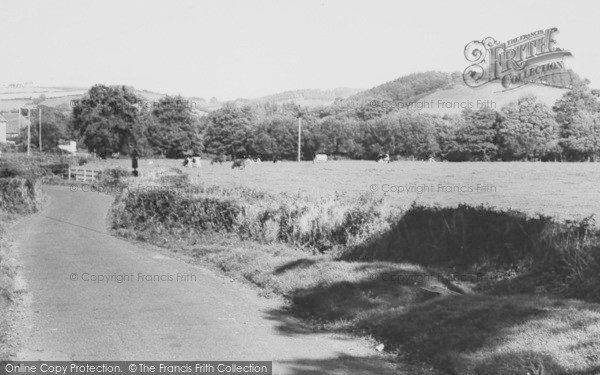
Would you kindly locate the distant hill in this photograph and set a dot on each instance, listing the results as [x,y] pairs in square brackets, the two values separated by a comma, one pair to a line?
[306,97]
[430,92]
[445,93]
[11,98]
[408,88]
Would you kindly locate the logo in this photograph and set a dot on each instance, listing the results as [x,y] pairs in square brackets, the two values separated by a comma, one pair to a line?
[532,57]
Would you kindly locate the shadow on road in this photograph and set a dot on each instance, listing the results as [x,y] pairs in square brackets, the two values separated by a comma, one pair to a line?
[344,364]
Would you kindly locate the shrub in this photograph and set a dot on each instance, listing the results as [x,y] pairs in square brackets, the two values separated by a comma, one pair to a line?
[489,243]
[19,195]
[60,169]
[113,178]
[321,225]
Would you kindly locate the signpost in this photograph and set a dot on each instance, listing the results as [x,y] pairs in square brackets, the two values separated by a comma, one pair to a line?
[134,162]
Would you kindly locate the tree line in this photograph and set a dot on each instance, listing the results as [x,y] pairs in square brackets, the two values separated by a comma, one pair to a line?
[112,119]
[522,130]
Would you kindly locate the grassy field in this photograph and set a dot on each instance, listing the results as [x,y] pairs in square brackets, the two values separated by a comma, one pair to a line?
[493,95]
[562,190]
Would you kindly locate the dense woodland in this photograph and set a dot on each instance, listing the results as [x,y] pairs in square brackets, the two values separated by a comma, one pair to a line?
[110,120]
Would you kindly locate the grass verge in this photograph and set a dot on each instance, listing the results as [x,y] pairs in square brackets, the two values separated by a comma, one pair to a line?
[20,195]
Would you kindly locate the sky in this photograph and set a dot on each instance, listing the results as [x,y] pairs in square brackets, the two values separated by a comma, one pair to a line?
[248,48]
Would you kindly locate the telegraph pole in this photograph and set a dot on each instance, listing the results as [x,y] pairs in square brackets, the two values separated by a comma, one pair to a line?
[40,131]
[28,130]
[299,135]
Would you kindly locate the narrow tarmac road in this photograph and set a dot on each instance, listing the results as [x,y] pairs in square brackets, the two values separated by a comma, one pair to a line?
[191,314]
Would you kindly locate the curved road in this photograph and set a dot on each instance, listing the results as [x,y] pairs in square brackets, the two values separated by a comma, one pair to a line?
[202,316]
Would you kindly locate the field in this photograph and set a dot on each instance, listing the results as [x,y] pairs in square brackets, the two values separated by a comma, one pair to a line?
[563,190]
[492,94]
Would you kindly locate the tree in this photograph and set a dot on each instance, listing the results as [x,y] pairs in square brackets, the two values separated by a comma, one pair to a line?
[229,131]
[527,130]
[573,113]
[105,119]
[172,128]
[340,135]
[418,135]
[276,137]
[583,138]
[474,137]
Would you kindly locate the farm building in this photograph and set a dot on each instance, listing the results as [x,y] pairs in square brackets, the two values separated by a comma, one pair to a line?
[70,148]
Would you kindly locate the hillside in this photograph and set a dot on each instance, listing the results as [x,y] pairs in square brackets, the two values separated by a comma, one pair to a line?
[310,96]
[305,97]
[408,88]
[454,100]
[11,98]
[444,93]
[62,97]
[429,92]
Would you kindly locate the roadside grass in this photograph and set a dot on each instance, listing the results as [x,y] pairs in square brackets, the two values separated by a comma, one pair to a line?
[393,304]
[20,195]
[475,334]
[456,288]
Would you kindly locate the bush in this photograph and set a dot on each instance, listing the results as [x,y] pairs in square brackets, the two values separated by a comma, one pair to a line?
[494,244]
[321,225]
[19,195]
[58,169]
[113,178]
[174,177]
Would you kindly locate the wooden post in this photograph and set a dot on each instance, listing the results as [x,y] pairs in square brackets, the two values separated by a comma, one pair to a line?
[69,173]
[85,175]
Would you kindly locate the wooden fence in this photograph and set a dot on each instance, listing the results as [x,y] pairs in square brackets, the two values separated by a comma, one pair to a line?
[81,174]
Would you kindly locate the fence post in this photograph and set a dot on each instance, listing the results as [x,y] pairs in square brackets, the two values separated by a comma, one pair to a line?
[84,175]
[69,173]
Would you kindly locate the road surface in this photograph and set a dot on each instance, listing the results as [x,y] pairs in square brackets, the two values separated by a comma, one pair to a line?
[184,313]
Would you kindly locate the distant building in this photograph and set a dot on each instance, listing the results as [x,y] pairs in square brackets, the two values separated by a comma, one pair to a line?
[12,125]
[70,148]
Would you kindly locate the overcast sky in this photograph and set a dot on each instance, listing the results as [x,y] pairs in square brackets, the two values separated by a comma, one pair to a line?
[232,49]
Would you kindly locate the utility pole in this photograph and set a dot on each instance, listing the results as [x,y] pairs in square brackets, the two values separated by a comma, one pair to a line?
[28,130]
[40,131]
[299,135]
